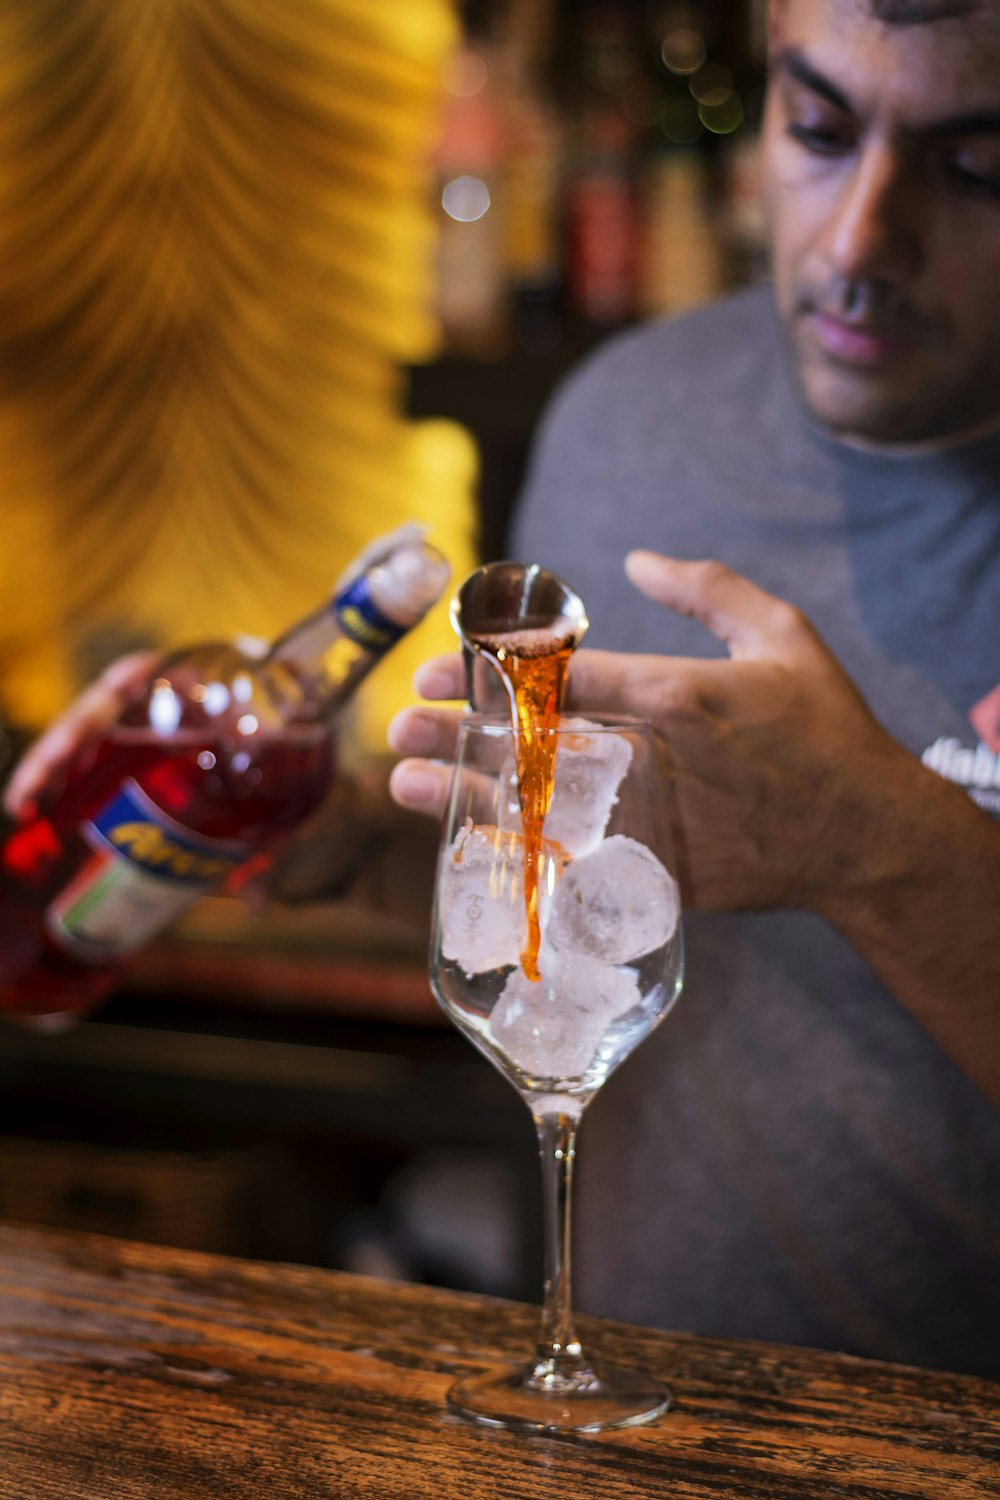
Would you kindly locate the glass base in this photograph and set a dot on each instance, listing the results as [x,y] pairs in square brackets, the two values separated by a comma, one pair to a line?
[546,1398]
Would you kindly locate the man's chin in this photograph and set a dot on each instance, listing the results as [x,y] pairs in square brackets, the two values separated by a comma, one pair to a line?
[864,407]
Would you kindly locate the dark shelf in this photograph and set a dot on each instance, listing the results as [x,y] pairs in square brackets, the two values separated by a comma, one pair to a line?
[500,401]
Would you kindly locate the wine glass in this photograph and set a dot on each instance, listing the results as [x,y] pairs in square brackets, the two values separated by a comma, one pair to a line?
[611,965]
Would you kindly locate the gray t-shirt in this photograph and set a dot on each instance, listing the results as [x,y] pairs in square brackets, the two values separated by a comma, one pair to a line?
[789,1157]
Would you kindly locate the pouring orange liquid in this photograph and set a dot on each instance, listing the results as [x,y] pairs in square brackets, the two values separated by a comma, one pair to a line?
[534,664]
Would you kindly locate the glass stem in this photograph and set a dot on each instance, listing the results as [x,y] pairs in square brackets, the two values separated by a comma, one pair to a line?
[558,1345]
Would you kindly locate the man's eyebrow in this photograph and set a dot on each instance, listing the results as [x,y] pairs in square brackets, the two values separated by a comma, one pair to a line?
[983,123]
[793,61]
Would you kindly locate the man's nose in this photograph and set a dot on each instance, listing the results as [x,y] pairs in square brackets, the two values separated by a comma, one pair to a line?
[874,231]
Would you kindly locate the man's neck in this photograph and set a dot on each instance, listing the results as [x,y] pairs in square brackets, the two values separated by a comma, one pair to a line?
[927,446]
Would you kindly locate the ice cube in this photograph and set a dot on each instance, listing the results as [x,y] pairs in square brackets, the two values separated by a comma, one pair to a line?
[481,899]
[589,771]
[552,1027]
[614,904]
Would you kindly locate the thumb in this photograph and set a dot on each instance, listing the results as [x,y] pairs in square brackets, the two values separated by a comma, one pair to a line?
[751,622]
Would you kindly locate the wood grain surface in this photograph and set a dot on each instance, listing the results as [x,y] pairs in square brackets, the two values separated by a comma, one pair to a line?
[131,1372]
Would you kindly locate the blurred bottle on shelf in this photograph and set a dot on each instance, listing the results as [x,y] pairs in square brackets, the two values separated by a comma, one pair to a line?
[533,180]
[598,164]
[682,265]
[604,223]
[472,284]
[705,232]
[603,210]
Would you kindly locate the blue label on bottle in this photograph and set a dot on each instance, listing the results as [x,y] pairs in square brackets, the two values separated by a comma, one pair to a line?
[360,617]
[145,871]
[135,828]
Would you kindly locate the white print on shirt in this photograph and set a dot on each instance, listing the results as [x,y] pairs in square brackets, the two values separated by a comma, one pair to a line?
[978,770]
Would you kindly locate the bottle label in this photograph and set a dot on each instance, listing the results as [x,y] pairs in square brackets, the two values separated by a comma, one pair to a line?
[145,870]
[360,617]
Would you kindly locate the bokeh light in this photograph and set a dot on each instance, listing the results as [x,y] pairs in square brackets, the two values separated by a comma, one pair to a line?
[683,51]
[465,199]
[680,121]
[712,85]
[722,118]
[465,74]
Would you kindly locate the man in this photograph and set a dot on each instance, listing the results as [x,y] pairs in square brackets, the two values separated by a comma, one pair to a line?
[809,1149]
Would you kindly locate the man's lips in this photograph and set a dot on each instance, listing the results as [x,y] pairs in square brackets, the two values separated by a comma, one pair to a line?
[856,343]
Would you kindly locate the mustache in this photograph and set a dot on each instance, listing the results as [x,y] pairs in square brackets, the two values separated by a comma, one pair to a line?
[869,303]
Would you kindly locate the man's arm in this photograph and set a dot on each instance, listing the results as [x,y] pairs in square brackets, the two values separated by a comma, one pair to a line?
[926,920]
[788,793]
[361,848]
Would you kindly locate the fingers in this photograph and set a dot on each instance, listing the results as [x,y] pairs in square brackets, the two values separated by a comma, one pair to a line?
[427,737]
[421,785]
[427,786]
[615,683]
[426,732]
[442,679]
[610,682]
[42,767]
[752,622]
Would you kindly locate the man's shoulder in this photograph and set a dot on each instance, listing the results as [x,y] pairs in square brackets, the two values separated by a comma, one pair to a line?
[703,343]
[673,364]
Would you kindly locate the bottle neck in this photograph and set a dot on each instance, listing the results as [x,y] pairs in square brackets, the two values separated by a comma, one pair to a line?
[303,673]
[313,668]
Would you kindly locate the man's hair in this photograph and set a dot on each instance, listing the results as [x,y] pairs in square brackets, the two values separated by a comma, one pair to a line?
[915,12]
[919,12]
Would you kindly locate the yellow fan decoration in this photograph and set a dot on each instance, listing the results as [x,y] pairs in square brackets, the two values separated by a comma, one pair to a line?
[217,253]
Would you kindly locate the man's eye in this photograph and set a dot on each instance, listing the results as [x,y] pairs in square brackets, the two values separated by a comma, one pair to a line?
[975,177]
[822,140]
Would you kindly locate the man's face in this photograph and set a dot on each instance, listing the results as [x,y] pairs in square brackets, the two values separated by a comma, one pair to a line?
[882,178]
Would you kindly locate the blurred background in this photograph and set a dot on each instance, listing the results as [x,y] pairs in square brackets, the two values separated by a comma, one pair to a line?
[275,276]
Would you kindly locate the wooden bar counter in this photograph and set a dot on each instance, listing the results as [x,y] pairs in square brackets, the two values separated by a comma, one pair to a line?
[131,1372]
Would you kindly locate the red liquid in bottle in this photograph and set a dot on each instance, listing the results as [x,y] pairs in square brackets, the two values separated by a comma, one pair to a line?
[238,792]
[213,762]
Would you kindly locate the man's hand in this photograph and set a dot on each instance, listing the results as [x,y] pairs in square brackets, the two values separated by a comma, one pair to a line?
[39,776]
[772,757]
[787,792]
